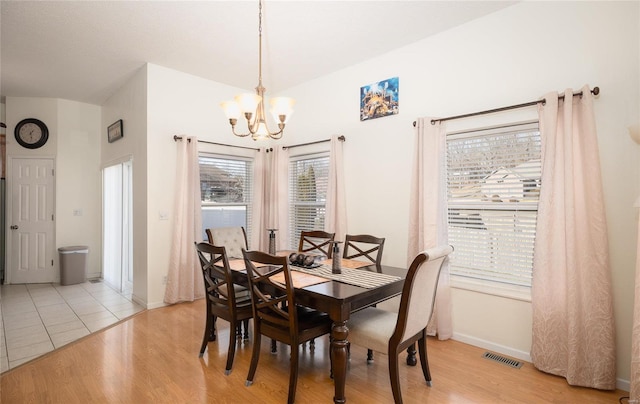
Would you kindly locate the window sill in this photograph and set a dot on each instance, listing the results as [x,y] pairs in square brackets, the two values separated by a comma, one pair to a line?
[515,292]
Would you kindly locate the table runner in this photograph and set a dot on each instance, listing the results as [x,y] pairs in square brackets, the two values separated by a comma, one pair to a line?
[300,279]
[357,277]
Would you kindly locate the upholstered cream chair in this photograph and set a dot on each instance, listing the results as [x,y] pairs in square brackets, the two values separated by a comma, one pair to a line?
[391,333]
[233,239]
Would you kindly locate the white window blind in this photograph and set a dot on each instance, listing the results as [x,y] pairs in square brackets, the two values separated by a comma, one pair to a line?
[493,178]
[308,178]
[226,184]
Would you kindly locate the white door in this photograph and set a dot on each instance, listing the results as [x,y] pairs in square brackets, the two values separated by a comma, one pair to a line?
[117,226]
[31,222]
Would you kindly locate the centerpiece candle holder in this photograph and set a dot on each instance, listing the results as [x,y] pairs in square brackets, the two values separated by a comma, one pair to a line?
[272,241]
[335,258]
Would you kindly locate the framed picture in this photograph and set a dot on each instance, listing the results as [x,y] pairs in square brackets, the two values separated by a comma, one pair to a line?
[114,131]
[379,99]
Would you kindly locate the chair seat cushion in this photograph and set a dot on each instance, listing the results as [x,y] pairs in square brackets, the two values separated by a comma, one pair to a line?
[372,328]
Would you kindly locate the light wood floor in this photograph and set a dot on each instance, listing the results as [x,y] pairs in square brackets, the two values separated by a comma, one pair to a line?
[153,358]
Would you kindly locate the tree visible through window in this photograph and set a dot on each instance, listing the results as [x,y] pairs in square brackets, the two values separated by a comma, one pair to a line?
[308,178]
[226,189]
[493,180]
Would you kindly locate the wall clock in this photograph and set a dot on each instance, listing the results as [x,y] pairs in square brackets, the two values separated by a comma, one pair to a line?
[31,133]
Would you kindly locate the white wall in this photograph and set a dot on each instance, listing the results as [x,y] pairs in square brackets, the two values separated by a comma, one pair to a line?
[79,181]
[509,57]
[73,130]
[129,103]
[179,104]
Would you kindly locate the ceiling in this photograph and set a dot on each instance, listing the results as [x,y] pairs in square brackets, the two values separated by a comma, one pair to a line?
[86,50]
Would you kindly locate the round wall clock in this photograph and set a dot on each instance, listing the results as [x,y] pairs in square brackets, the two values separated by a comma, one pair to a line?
[31,133]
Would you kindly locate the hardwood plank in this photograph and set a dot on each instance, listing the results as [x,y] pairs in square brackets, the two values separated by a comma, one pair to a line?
[153,358]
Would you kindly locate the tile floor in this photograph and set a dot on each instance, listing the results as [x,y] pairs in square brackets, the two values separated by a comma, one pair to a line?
[38,318]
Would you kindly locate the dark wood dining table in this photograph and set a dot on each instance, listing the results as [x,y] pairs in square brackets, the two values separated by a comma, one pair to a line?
[339,300]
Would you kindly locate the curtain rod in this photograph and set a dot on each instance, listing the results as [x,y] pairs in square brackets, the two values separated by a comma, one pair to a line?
[176,138]
[341,137]
[595,91]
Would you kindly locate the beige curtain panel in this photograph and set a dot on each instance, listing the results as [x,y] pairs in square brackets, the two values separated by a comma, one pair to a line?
[428,226]
[336,215]
[572,302]
[184,280]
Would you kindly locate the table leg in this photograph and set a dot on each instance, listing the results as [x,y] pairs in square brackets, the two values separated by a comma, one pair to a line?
[411,355]
[339,333]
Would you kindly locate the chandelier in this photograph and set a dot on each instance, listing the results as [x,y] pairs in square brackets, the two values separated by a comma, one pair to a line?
[252,105]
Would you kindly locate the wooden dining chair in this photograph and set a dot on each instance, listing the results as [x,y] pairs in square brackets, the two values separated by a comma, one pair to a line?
[221,298]
[275,313]
[316,241]
[366,248]
[363,246]
[391,333]
[233,239]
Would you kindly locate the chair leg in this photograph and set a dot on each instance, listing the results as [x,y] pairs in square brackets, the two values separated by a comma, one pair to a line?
[246,330]
[293,373]
[394,376]
[212,337]
[207,335]
[369,356]
[422,348]
[232,349]
[255,355]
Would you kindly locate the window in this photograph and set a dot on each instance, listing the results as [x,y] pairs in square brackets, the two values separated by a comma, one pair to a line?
[226,189]
[493,180]
[308,178]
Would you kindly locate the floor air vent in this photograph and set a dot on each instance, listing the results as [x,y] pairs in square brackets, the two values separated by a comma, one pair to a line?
[504,360]
[95,280]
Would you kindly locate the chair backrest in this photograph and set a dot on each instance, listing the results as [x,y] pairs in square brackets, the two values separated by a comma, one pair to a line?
[419,293]
[234,239]
[363,246]
[316,240]
[272,299]
[216,273]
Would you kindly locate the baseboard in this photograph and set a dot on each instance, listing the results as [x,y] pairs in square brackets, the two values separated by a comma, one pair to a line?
[501,349]
[623,384]
[514,353]
[156,305]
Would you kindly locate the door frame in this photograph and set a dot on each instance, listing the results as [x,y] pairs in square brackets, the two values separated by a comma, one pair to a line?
[10,251]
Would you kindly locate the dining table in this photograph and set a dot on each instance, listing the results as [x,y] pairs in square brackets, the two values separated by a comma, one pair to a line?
[357,287]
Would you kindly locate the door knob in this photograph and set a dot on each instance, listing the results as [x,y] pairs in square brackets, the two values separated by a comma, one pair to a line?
[14,227]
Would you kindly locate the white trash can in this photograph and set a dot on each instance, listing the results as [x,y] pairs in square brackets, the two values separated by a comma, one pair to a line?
[73,264]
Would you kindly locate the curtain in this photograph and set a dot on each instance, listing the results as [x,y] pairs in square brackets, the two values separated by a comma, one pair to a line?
[572,302]
[336,207]
[635,334]
[277,197]
[184,280]
[258,240]
[428,213]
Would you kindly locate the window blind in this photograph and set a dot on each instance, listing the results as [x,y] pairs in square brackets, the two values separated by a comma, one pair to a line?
[308,179]
[493,181]
[226,185]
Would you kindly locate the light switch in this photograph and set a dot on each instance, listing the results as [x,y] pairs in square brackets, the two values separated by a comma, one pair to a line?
[164,215]
[77,212]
